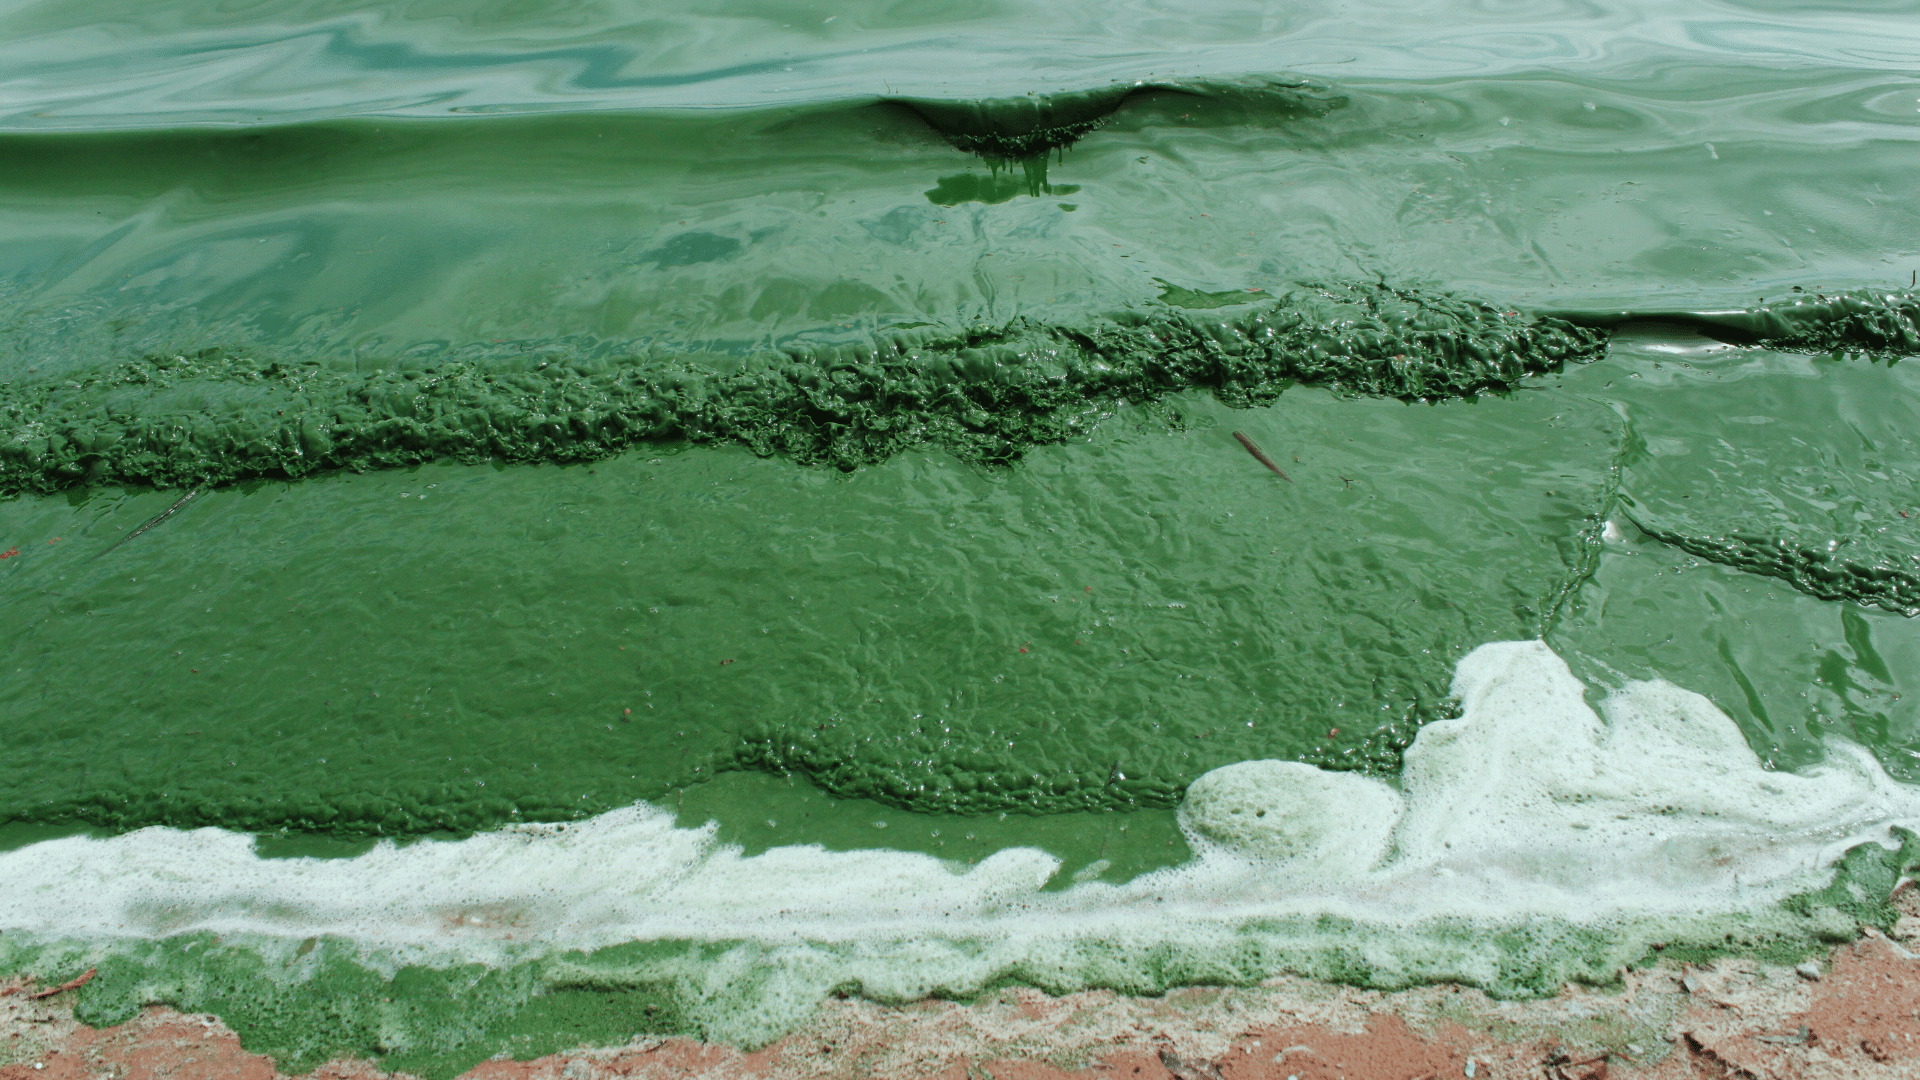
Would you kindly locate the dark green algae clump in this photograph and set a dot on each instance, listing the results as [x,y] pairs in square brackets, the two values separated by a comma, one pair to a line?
[1864,321]
[985,394]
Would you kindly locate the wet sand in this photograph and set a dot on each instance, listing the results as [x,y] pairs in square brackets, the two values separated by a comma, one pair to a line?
[1854,1014]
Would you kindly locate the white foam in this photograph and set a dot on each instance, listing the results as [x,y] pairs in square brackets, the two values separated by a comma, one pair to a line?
[1296,820]
[1660,807]
[1527,806]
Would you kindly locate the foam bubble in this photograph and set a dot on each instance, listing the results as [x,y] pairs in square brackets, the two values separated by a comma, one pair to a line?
[1298,818]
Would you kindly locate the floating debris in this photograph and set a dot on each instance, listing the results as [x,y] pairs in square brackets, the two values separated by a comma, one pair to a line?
[1261,455]
[156,519]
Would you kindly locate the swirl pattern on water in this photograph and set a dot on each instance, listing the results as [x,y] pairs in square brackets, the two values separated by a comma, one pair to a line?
[89,65]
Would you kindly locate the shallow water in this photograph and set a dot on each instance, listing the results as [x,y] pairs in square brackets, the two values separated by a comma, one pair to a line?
[506,353]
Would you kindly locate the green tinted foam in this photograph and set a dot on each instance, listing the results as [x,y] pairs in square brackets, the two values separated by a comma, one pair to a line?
[316,1000]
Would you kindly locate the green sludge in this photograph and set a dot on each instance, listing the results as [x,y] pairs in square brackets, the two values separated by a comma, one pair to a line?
[1334,610]
[1091,630]
[986,394]
[316,1002]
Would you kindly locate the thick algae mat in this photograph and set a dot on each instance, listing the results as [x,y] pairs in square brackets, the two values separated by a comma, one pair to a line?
[532,527]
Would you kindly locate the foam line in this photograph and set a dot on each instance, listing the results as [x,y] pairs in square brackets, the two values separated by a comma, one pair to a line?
[1528,805]
[1533,842]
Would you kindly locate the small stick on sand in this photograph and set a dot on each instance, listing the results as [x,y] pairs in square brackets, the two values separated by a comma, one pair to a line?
[66,986]
[157,519]
[1261,455]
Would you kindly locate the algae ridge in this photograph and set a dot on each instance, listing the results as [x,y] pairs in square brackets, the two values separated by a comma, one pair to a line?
[984,393]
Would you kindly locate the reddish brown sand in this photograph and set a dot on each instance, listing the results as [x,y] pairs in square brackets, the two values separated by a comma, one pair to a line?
[1859,1019]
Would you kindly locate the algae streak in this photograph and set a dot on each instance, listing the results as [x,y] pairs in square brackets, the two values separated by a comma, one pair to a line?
[985,395]
[1869,322]
[1827,573]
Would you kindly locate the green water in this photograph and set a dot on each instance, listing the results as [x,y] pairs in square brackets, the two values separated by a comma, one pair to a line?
[451,645]
[1091,630]
[822,421]
[1809,453]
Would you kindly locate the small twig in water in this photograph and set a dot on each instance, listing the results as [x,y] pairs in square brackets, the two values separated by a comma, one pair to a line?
[157,519]
[1261,455]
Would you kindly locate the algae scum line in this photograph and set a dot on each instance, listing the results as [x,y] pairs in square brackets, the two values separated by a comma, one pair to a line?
[524,532]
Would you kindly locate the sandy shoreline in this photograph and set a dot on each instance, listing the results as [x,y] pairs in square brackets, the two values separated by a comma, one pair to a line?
[1854,1015]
